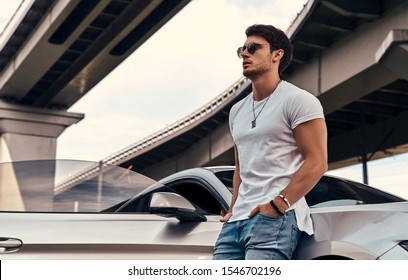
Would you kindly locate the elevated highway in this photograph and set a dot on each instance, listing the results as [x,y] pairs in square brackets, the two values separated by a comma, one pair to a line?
[351,54]
[53,52]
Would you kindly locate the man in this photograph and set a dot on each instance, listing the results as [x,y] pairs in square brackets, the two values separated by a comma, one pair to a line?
[280,153]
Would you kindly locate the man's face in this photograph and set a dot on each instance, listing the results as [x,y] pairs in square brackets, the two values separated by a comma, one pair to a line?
[260,61]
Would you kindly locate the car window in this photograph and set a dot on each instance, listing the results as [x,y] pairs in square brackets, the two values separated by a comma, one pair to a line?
[66,186]
[198,195]
[226,178]
[332,191]
[346,192]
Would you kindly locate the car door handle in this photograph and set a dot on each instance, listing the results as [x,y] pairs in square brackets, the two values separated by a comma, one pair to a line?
[8,245]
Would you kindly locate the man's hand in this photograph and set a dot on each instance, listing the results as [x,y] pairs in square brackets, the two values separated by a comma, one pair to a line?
[226,217]
[264,209]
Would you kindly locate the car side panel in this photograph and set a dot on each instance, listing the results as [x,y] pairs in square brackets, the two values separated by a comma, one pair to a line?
[107,236]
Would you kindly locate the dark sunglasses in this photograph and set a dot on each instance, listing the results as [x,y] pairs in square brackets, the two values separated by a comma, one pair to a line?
[251,48]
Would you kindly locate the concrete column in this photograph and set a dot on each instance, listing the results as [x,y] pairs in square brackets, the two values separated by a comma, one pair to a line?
[28,133]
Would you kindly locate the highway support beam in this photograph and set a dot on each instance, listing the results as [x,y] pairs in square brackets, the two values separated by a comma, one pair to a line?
[28,133]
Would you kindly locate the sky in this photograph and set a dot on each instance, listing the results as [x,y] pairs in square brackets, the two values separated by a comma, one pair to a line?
[184,65]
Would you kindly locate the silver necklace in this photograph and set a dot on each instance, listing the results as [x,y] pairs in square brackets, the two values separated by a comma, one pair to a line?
[253,110]
[253,107]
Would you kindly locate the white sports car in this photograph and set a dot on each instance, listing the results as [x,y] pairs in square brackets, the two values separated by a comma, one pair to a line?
[82,210]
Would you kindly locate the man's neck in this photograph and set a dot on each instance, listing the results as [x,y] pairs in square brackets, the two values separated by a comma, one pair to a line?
[264,86]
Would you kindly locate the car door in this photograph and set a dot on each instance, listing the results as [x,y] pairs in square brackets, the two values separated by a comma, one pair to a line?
[104,236]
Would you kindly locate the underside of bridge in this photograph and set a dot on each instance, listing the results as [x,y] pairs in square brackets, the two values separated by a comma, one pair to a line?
[53,52]
[351,54]
[365,113]
[61,49]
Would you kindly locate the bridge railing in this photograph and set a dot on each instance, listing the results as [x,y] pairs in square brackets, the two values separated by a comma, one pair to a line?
[189,120]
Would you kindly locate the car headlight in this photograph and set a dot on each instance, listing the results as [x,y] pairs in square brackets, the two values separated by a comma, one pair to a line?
[404,244]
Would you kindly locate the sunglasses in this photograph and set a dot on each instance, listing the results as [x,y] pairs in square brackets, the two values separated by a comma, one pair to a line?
[251,48]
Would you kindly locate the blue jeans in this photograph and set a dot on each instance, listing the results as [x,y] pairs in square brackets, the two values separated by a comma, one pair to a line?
[262,237]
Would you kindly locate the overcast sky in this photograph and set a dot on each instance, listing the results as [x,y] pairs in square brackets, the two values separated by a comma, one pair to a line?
[184,65]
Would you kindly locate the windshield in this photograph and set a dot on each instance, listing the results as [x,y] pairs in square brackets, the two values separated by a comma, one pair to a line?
[66,186]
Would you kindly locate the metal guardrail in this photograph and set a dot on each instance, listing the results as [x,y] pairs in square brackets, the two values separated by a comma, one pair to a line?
[160,136]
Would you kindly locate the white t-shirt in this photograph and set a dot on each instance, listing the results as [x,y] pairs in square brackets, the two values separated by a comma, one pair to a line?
[268,154]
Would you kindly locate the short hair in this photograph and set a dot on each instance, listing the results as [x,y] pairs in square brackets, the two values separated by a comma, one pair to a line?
[276,38]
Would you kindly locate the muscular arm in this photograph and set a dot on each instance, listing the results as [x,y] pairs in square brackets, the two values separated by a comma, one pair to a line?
[236,181]
[311,139]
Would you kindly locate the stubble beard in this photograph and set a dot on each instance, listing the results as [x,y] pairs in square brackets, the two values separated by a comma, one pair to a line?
[257,71]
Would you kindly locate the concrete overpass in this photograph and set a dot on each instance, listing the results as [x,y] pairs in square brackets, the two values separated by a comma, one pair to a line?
[352,55]
[53,52]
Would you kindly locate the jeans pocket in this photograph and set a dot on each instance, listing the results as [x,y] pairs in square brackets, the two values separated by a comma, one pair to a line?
[266,216]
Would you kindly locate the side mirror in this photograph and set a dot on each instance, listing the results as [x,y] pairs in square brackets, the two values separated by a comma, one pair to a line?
[174,205]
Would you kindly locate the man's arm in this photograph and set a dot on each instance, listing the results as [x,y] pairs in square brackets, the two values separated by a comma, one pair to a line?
[311,139]
[236,181]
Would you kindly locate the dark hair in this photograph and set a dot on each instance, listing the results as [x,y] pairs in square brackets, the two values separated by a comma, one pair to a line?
[276,38]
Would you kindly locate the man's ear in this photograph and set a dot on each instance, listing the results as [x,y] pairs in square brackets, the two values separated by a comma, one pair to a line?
[277,55]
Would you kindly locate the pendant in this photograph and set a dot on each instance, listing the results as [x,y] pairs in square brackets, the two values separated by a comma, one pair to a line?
[254,123]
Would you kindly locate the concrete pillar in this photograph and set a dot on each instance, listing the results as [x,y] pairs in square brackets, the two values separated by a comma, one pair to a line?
[28,133]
